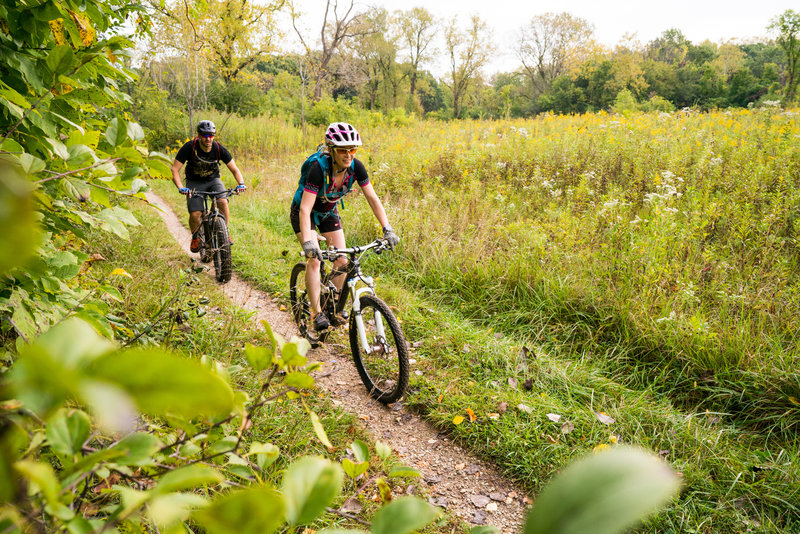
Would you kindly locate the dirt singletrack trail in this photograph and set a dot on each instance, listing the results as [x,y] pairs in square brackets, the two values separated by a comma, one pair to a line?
[454,478]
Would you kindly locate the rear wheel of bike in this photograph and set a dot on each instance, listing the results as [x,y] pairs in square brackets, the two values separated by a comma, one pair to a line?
[301,307]
[383,362]
[221,250]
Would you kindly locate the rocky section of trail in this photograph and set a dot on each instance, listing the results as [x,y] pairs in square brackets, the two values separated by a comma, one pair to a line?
[452,477]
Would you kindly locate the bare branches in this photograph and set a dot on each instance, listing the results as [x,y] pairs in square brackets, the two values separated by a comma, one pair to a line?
[469,52]
[549,43]
[333,34]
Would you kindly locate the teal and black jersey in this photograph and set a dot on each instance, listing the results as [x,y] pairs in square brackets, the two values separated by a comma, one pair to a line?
[315,178]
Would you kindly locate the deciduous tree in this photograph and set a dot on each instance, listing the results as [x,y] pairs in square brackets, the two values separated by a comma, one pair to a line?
[338,26]
[417,28]
[549,44]
[787,25]
[469,51]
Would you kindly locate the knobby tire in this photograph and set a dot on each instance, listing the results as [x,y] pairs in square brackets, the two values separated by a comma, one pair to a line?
[221,250]
[384,374]
[301,307]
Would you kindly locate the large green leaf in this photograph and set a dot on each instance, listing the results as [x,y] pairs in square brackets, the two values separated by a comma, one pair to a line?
[11,95]
[265,453]
[80,156]
[257,510]
[604,494]
[292,355]
[138,448]
[17,211]
[188,477]
[126,216]
[158,168]
[59,60]
[64,264]
[404,471]
[404,515]
[360,450]
[67,431]
[74,343]
[117,132]
[42,475]
[135,131]
[162,383]
[309,485]
[31,164]
[24,320]
[354,470]
[259,358]
[172,508]
[299,380]
[49,370]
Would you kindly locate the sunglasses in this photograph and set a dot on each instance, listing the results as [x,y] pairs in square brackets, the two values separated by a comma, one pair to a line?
[207,136]
[343,151]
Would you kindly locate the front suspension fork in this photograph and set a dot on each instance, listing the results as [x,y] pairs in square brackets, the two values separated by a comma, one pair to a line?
[362,332]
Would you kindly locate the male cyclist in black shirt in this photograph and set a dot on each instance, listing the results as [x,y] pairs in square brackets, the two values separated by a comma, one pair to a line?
[202,156]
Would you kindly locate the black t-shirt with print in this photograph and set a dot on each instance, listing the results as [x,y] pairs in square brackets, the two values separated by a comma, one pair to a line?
[202,166]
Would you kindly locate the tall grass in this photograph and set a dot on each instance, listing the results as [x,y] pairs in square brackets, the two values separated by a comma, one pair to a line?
[666,240]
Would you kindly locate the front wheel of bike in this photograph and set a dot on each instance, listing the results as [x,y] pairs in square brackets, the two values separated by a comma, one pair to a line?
[382,361]
[206,249]
[301,307]
[221,250]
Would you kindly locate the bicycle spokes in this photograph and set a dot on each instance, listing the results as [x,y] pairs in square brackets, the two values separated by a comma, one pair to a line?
[379,350]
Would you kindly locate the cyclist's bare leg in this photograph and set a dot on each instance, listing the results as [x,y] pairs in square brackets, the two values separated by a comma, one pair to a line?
[336,239]
[312,281]
[195,218]
[222,205]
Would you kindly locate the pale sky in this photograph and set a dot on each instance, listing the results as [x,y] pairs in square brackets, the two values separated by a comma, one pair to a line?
[699,20]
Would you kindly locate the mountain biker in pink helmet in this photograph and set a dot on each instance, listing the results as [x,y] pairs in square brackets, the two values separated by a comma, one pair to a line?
[331,174]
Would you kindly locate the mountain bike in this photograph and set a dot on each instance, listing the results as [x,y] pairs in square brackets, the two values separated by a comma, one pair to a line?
[380,351]
[215,243]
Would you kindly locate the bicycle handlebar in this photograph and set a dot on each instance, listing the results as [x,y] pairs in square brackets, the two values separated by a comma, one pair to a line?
[226,193]
[379,245]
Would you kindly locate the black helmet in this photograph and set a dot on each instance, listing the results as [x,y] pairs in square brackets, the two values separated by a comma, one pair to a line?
[206,127]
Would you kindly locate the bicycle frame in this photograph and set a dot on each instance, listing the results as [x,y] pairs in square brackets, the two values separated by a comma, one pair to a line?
[380,350]
[353,277]
[209,214]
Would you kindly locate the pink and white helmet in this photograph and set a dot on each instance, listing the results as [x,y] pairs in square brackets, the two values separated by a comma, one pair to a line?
[342,134]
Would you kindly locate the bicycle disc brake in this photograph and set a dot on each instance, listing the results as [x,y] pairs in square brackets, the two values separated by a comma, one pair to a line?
[380,347]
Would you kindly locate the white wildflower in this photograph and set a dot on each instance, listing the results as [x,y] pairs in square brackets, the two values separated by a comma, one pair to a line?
[671,318]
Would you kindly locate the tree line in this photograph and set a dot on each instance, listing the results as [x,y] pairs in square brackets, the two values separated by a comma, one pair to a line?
[228,55]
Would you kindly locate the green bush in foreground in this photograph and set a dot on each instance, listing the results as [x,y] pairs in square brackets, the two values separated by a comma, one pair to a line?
[182,463]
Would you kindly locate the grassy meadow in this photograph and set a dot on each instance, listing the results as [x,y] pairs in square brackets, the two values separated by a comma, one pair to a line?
[578,282]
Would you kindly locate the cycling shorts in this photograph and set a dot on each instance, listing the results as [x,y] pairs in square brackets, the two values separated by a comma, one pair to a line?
[329,223]
[196,203]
